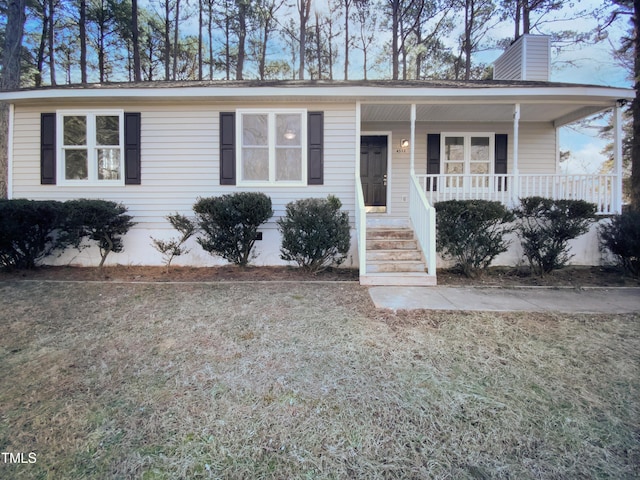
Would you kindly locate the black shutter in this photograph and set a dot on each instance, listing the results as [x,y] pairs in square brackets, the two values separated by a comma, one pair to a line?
[501,159]
[315,162]
[227,148]
[433,159]
[48,149]
[132,149]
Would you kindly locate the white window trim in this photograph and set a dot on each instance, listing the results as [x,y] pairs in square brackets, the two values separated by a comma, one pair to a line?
[272,147]
[467,150]
[92,167]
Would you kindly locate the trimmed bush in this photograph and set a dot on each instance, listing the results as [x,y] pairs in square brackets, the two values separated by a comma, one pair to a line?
[547,225]
[175,247]
[230,224]
[102,221]
[29,231]
[622,238]
[315,233]
[471,232]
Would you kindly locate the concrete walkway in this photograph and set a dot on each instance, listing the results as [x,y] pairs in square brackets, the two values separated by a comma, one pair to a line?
[496,299]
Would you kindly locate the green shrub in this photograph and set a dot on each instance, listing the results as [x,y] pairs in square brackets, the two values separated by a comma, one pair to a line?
[547,225]
[471,232]
[315,233]
[102,221]
[230,224]
[29,231]
[175,246]
[622,238]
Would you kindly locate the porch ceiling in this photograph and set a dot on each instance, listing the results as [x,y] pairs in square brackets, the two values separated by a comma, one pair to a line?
[556,112]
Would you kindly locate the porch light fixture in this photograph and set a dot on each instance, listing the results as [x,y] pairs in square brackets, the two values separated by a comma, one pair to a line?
[622,102]
[289,134]
[404,143]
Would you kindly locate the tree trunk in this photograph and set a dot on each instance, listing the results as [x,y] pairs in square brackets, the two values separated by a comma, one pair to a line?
[51,44]
[167,41]
[82,24]
[242,35]
[10,78]
[200,21]
[468,29]
[395,27]
[304,9]
[175,41]
[347,4]
[135,35]
[635,108]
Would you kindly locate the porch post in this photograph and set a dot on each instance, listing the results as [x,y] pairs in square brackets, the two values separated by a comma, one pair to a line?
[617,158]
[412,146]
[516,142]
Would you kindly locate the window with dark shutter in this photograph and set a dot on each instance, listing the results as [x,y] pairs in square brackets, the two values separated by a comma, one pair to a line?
[132,149]
[315,160]
[433,160]
[227,148]
[48,149]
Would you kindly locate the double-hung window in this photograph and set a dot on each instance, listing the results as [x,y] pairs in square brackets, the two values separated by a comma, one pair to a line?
[468,154]
[91,147]
[272,147]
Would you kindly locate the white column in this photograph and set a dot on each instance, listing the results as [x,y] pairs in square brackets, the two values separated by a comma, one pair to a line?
[617,158]
[412,145]
[516,142]
[358,129]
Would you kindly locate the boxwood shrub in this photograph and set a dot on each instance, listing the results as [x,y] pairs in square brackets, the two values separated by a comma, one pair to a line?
[621,236]
[229,224]
[29,231]
[315,233]
[546,226]
[472,232]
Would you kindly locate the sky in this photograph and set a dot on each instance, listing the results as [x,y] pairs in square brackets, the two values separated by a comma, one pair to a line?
[589,64]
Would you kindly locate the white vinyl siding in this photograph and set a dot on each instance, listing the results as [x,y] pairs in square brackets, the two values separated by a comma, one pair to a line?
[526,59]
[180,161]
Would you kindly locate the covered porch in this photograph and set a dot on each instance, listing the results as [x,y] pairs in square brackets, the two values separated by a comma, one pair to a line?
[470,147]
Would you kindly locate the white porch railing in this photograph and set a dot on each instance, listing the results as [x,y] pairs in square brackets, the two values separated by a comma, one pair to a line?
[361,228]
[597,189]
[423,220]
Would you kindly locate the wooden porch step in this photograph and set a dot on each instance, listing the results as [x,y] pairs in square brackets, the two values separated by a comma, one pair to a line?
[382,255]
[389,234]
[393,244]
[396,266]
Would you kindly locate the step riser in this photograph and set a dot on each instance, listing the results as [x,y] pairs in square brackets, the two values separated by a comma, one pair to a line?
[390,234]
[397,280]
[392,245]
[395,267]
[390,255]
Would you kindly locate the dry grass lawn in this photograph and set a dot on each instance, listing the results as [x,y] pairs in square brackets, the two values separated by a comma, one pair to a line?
[306,380]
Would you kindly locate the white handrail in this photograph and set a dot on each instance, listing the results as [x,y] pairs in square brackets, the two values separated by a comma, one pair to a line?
[361,227]
[423,220]
[597,189]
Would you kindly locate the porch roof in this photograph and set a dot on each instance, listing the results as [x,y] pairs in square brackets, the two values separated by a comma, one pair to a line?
[382,100]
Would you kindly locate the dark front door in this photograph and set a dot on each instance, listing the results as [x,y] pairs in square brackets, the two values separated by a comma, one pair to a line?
[373,171]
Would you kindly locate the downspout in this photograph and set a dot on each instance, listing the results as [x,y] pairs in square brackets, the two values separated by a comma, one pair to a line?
[617,156]
[516,147]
